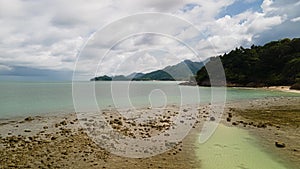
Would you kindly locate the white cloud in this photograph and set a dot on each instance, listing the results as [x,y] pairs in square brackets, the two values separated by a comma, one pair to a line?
[48,34]
[267,6]
[295,19]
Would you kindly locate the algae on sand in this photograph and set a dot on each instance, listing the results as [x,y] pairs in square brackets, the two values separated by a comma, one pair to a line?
[231,147]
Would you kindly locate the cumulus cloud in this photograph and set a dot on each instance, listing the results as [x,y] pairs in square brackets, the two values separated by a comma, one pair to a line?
[48,35]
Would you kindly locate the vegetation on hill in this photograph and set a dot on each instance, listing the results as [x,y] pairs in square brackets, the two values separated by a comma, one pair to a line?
[102,78]
[156,75]
[276,63]
[181,72]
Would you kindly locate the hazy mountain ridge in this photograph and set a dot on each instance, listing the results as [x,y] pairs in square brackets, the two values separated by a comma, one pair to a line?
[180,72]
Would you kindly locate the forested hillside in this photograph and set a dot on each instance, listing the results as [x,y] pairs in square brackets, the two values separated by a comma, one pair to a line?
[275,63]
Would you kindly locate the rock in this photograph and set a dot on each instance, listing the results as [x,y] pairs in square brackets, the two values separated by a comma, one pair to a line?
[261,125]
[27,130]
[189,83]
[228,119]
[13,139]
[279,144]
[29,118]
[117,121]
[212,119]
[295,86]
[230,115]
[63,123]
[64,152]
[45,127]
[235,123]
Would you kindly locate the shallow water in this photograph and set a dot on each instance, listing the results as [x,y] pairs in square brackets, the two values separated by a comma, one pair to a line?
[31,98]
[231,147]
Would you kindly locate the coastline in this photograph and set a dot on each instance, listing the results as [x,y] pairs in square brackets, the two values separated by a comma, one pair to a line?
[273,88]
[282,88]
[70,146]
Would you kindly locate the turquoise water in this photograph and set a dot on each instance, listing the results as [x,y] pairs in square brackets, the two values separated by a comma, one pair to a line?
[232,147]
[31,98]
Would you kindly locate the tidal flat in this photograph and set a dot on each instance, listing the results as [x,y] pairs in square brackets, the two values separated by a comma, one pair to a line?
[247,137]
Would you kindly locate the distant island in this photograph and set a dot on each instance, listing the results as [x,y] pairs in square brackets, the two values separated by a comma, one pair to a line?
[182,71]
[276,63]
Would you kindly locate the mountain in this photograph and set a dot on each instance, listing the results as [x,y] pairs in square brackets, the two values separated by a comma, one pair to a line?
[184,70]
[101,78]
[119,78]
[181,72]
[155,75]
[135,75]
[273,64]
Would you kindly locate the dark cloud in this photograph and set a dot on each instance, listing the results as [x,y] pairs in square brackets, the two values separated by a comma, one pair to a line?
[286,30]
[28,73]
[66,21]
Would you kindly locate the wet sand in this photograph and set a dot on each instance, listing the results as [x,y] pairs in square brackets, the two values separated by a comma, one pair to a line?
[58,141]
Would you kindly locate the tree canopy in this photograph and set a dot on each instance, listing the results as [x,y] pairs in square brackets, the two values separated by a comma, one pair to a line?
[273,64]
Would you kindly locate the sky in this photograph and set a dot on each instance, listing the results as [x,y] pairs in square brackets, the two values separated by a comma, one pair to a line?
[51,40]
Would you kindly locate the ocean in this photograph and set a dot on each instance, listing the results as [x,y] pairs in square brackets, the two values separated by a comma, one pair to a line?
[35,98]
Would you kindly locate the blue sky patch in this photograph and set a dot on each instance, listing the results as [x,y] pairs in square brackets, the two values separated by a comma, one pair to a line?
[241,6]
[189,7]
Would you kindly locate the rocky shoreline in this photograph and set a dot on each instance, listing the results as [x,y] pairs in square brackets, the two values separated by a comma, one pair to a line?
[59,141]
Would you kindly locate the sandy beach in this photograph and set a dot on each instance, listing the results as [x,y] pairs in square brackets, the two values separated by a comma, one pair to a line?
[282,88]
[59,141]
